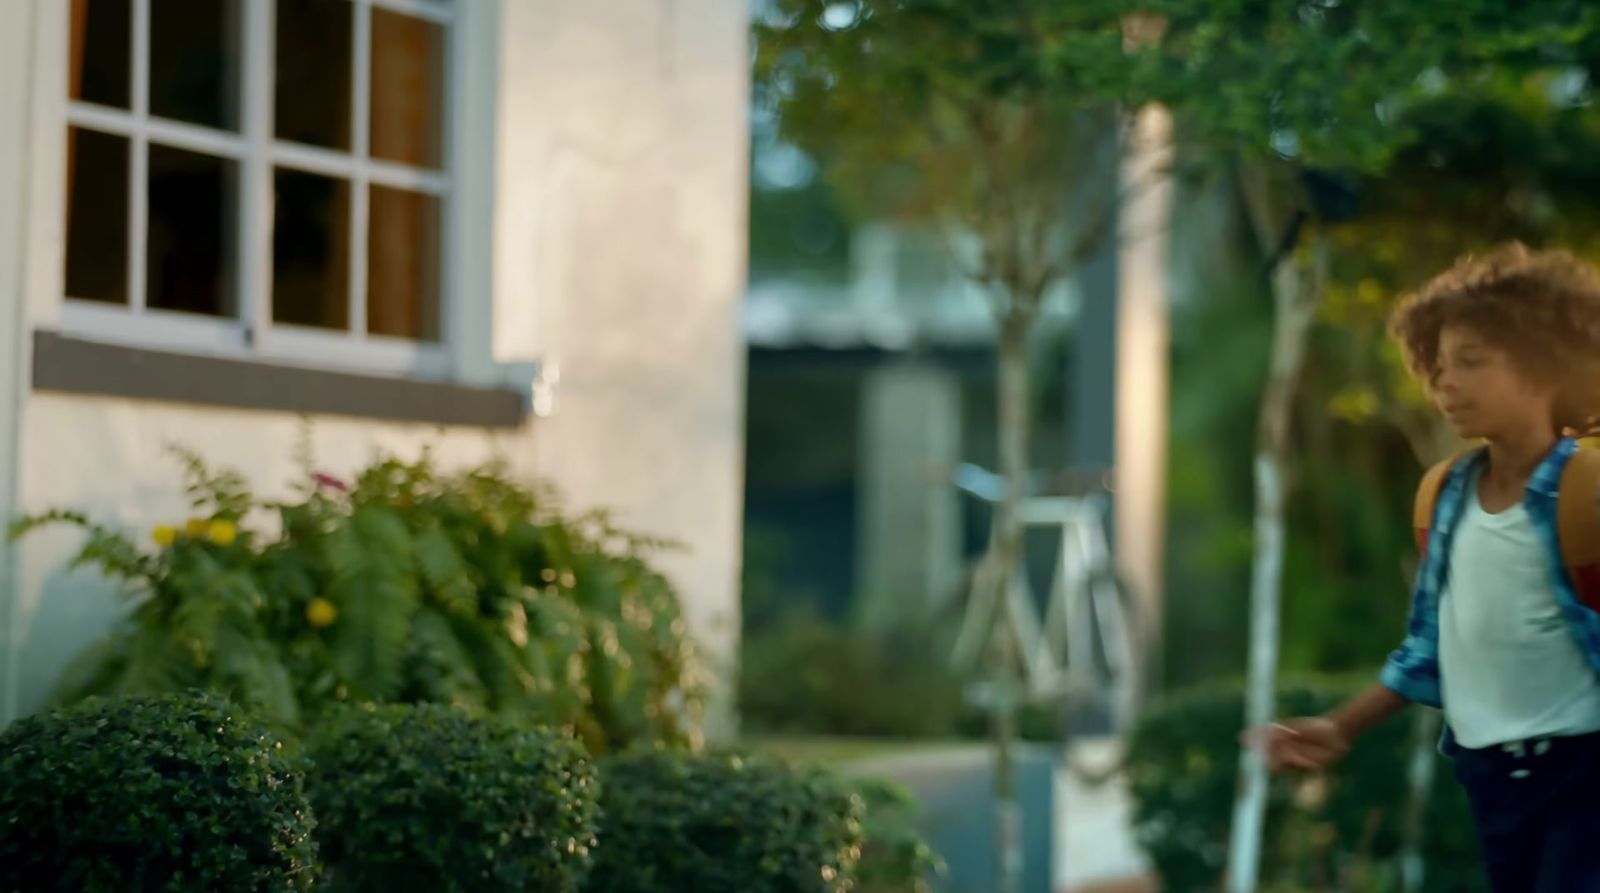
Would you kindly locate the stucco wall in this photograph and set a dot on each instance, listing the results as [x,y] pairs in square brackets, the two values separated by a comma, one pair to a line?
[618,259]
[623,189]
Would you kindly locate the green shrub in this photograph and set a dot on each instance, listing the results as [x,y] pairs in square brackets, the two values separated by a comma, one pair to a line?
[1323,832]
[406,585]
[803,674]
[427,798]
[808,675]
[723,823]
[894,857]
[173,792]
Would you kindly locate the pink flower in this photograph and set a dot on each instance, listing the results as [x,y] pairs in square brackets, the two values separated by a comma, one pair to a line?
[329,482]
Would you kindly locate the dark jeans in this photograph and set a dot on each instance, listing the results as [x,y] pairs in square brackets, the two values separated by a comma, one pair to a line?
[1537,810]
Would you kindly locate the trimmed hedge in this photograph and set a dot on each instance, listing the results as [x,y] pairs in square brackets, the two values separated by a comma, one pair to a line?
[1340,830]
[424,797]
[168,792]
[724,823]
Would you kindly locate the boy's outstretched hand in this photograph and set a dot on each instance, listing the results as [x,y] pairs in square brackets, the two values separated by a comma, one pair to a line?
[1309,743]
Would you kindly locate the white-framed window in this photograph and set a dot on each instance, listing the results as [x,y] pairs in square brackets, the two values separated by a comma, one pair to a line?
[266,178]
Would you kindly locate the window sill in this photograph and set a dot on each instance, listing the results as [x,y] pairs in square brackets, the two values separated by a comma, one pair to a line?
[73,366]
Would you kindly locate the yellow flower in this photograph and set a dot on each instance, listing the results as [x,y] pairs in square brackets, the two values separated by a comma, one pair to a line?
[321,612]
[223,533]
[196,528]
[164,535]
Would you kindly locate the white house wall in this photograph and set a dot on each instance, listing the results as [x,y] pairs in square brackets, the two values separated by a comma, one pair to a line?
[16,63]
[618,259]
[623,181]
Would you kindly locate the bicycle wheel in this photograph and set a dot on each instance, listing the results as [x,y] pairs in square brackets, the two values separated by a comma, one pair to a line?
[1117,662]
[1112,669]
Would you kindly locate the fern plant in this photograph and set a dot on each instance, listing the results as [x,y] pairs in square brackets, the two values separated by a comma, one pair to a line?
[407,586]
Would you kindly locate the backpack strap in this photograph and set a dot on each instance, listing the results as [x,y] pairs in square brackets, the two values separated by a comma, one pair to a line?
[1578,523]
[1428,497]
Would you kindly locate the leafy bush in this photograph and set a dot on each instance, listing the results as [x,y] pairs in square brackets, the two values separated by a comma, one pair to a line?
[173,792]
[894,857]
[1329,831]
[408,585]
[808,675]
[723,823]
[426,798]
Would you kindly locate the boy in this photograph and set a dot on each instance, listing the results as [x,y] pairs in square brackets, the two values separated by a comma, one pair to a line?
[1507,345]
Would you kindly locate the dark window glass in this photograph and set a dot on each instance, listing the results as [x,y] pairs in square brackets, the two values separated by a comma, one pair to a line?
[311,251]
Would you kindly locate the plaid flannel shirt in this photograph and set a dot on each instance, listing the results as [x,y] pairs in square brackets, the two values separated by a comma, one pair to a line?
[1412,671]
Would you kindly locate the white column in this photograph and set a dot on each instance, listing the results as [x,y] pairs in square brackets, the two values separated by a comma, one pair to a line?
[1142,362]
[16,82]
[909,523]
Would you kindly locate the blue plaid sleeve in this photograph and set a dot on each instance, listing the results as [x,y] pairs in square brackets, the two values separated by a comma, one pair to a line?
[1412,671]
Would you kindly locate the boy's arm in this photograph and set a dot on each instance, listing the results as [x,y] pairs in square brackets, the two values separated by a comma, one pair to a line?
[1412,671]
[1372,706]
[1410,675]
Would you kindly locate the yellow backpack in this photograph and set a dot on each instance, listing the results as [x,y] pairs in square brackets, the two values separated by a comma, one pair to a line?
[1577,515]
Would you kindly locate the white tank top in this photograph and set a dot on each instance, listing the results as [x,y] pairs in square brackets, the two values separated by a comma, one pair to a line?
[1508,665]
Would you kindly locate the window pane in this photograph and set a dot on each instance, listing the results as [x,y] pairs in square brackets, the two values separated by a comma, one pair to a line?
[195,59]
[97,216]
[102,50]
[313,85]
[311,251]
[407,88]
[192,236]
[403,265]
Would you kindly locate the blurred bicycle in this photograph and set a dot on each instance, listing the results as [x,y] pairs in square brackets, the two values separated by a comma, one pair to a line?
[1084,654]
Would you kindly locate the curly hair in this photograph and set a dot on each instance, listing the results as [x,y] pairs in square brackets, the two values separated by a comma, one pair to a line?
[1541,307]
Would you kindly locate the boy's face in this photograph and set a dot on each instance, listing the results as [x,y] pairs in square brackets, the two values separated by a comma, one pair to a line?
[1481,391]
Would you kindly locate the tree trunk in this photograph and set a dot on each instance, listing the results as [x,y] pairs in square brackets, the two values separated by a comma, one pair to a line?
[1005,553]
[1297,291]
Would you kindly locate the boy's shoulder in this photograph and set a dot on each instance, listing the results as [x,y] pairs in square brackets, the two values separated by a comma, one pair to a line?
[1576,485]
[1427,498]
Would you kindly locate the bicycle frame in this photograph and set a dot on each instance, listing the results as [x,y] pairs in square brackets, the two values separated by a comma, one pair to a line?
[1081,588]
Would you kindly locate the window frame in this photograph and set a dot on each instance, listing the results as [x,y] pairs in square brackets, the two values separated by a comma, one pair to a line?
[467,119]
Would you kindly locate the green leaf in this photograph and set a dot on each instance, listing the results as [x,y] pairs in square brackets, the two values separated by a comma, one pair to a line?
[173,792]
[445,572]
[375,592]
[443,670]
[221,494]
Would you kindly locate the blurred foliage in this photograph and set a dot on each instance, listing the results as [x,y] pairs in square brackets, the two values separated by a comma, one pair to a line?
[796,229]
[424,797]
[1327,85]
[981,114]
[809,676]
[408,585]
[805,674]
[1338,830]
[894,857]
